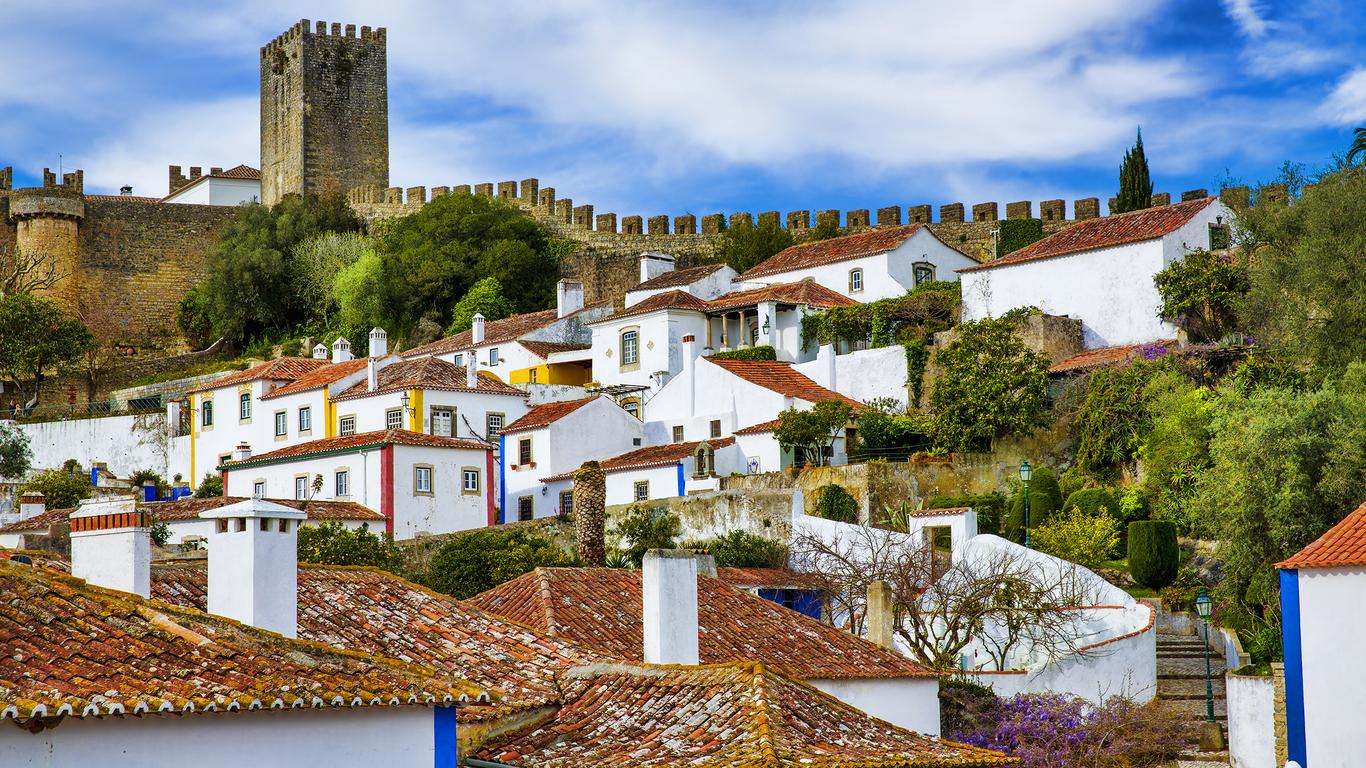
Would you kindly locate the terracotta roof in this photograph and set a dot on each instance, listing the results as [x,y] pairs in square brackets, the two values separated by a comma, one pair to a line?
[496,331]
[544,349]
[321,377]
[189,509]
[755,578]
[426,373]
[1092,359]
[601,608]
[371,611]
[649,456]
[1342,546]
[679,300]
[808,292]
[760,428]
[675,278]
[836,249]
[781,378]
[940,512]
[79,650]
[1105,232]
[545,414]
[356,442]
[244,172]
[279,369]
[721,716]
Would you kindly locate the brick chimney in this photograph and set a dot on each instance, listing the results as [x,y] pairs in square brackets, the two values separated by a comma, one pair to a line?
[668,592]
[111,545]
[253,564]
[31,504]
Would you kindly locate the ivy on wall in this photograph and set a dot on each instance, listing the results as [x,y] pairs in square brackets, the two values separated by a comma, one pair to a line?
[1014,234]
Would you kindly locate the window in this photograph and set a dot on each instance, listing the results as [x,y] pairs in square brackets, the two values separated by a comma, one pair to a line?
[1218,237]
[469,480]
[855,280]
[460,359]
[258,489]
[346,425]
[281,423]
[305,419]
[642,490]
[224,458]
[343,484]
[715,427]
[206,411]
[524,508]
[630,348]
[632,406]
[524,451]
[924,273]
[422,479]
[678,433]
[493,357]
[393,418]
[244,406]
[704,461]
[442,419]
[301,487]
[532,376]
[494,423]
[566,502]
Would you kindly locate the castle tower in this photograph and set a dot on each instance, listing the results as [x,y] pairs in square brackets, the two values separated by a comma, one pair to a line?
[324,110]
[47,221]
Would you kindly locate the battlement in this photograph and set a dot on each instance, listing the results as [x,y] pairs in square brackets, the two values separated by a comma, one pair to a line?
[177,179]
[6,178]
[304,29]
[53,200]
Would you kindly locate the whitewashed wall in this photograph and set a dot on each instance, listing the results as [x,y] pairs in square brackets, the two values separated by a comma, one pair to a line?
[660,346]
[1332,628]
[448,508]
[125,443]
[219,191]
[1251,721]
[910,702]
[863,375]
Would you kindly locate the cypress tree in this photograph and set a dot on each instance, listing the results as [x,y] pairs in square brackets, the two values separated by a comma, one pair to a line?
[1135,187]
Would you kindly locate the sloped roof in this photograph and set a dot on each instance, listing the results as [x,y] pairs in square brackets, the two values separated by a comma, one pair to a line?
[754,578]
[760,428]
[1342,546]
[1105,232]
[355,442]
[189,509]
[544,349]
[836,249]
[240,172]
[601,608]
[320,377]
[681,300]
[1092,359]
[497,331]
[781,378]
[279,369]
[426,373]
[678,277]
[545,414]
[649,456]
[76,649]
[808,292]
[738,715]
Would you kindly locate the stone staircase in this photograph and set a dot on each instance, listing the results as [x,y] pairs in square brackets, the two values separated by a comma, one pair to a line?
[1181,688]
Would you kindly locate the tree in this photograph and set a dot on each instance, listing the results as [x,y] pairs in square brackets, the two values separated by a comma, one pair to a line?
[480,560]
[642,529]
[1045,498]
[1135,187]
[885,430]
[15,454]
[210,487]
[483,298]
[192,318]
[1176,449]
[835,503]
[590,501]
[1113,420]
[742,549]
[1154,557]
[1358,146]
[316,262]
[27,270]
[813,432]
[1201,293]
[36,339]
[744,246]
[334,544]
[991,385]
[359,292]
[61,488]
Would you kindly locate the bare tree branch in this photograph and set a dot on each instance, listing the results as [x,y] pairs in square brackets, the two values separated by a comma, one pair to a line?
[26,271]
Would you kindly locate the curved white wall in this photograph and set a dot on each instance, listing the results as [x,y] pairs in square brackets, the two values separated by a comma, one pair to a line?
[912,703]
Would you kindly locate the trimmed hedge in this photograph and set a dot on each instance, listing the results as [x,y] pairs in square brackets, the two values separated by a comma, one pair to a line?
[1154,558]
[1045,498]
[990,508]
[748,353]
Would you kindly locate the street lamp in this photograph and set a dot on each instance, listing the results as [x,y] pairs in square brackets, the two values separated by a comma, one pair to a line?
[1025,472]
[1204,606]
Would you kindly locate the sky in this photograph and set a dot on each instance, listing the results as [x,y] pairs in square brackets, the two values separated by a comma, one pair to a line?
[738,105]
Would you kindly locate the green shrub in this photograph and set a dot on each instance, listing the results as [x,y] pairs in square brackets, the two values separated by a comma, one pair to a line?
[1114,420]
[835,503]
[1154,558]
[764,352]
[209,487]
[161,533]
[335,544]
[1045,498]
[990,508]
[742,549]
[480,560]
[1092,501]
[61,488]
[1077,537]
[642,529]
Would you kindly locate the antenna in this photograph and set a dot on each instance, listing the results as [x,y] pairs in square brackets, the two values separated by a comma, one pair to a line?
[60,170]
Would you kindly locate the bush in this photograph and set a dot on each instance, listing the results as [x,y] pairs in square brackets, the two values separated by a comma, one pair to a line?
[1044,499]
[748,353]
[742,549]
[209,487]
[835,503]
[990,508]
[15,454]
[886,431]
[335,544]
[1093,501]
[61,488]
[161,533]
[1153,554]
[991,385]
[1077,537]
[144,476]
[964,705]
[642,529]
[480,560]
[1114,419]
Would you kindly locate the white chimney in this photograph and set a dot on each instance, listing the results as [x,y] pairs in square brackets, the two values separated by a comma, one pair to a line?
[371,375]
[653,265]
[379,342]
[472,369]
[341,350]
[477,329]
[825,367]
[668,592]
[242,452]
[253,564]
[320,351]
[568,297]
[31,504]
[111,545]
[689,375]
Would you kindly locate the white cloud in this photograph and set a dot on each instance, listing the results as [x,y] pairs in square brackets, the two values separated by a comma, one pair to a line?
[1347,103]
[1248,16]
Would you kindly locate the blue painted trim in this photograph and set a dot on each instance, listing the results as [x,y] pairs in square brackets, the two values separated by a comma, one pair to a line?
[502,479]
[1291,641]
[682,490]
[445,752]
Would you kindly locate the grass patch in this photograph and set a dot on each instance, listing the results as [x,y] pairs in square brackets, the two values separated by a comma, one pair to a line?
[198,369]
[1141,592]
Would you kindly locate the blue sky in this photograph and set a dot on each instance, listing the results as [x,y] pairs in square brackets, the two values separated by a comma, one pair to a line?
[646,108]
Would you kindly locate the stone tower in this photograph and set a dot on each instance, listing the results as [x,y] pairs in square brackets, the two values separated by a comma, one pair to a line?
[47,220]
[324,110]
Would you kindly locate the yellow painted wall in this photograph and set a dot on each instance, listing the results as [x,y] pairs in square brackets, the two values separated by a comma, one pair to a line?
[415,416]
[563,373]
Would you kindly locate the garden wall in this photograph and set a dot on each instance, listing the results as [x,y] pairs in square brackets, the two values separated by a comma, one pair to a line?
[124,443]
[1251,721]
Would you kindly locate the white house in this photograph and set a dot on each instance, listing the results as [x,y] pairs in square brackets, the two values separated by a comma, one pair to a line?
[1323,588]
[420,484]
[657,472]
[555,438]
[234,186]
[1100,271]
[878,264]
[658,275]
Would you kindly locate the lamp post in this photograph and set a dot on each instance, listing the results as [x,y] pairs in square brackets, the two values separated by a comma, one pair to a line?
[1025,472]
[1204,606]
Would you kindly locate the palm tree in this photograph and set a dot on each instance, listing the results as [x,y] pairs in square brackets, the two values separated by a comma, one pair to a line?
[1358,146]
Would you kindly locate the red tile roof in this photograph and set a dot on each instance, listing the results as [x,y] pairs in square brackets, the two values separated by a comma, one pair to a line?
[678,277]
[545,414]
[760,428]
[834,250]
[781,378]
[807,292]
[75,649]
[279,369]
[1092,359]
[497,331]
[649,456]
[739,715]
[544,349]
[1344,545]
[1105,232]
[772,578]
[677,300]
[601,608]
[355,442]
[321,377]
[426,373]
[189,509]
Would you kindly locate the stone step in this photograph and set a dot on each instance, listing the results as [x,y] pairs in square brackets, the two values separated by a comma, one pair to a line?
[1187,686]
[1194,709]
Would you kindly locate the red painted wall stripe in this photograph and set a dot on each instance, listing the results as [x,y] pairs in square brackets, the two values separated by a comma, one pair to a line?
[386,487]
[225,483]
[487,487]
